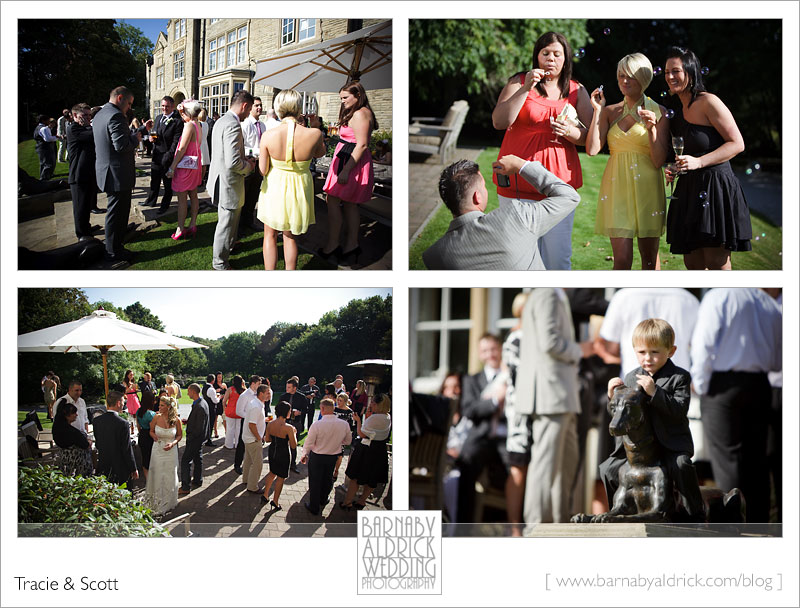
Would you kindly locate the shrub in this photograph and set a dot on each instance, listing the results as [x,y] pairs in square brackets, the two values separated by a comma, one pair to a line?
[88,506]
[378,136]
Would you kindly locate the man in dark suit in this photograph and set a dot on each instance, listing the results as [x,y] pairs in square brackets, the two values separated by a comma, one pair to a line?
[486,443]
[298,404]
[115,147]
[168,131]
[311,392]
[113,440]
[82,178]
[196,428]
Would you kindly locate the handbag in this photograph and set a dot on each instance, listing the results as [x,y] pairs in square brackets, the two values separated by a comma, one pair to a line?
[188,162]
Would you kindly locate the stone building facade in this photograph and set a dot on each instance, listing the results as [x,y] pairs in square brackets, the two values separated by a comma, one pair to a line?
[211,59]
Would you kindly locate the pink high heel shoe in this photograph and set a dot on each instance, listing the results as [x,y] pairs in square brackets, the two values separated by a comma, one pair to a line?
[190,232]
[177,236]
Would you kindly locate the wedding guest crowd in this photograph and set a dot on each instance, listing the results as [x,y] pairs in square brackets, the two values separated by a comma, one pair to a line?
[724,344]
[245,161]
[170,473]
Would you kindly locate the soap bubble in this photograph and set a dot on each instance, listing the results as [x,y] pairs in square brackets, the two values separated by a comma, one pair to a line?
[663,94]
[756,167]
[758,237]
[580,53]
[704,71]
[657,70]
[763,235]
[607,31]
[703,195]
[670,113]
[748,171]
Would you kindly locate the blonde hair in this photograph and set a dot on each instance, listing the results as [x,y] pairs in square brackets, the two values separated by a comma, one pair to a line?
[203,115]
[637,66]
[343,397]
[192,107]
[170,379]
[288,103]
[172,414]
[384,406]
[518,304]
[654,332]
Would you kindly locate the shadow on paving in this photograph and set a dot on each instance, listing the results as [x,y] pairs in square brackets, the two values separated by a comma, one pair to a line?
[223,507]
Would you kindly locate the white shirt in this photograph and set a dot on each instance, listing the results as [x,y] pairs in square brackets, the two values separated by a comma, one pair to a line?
[204,144]
[271,123]
[376,427]
[244,402]
[327,436]
[252,130]
[629,307]
[82,421]
[211,396]
[46,134]
[61,126]
[255,414]
[738,329]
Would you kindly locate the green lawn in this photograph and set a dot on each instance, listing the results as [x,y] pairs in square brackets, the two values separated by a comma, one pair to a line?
[29,161]
[589,250]
[156,250]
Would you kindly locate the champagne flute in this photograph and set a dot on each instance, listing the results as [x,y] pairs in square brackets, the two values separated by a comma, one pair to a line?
[560,118]
[677,145]
[671,168]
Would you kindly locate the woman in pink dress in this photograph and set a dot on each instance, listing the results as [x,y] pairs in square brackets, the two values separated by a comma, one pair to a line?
[131,397]
[185,180]
[350,178]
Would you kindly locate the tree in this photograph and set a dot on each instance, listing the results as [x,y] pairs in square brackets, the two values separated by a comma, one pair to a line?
[62,62]
[139,314]
[452,59]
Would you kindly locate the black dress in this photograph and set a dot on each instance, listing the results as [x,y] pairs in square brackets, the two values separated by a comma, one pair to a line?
[709,209]
[369,465]
[347,416]
[278,453]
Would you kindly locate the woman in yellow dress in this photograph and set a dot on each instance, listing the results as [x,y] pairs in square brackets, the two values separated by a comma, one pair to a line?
[632,201]
[286,202]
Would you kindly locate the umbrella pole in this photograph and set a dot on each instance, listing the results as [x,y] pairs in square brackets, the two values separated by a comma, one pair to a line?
[105,371]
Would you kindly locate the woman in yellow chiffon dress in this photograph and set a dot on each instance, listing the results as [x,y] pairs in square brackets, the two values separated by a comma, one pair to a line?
[286,201]
[631,201]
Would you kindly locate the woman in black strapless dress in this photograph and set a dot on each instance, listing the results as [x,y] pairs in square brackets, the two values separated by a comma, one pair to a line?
[708,216]
[282,439]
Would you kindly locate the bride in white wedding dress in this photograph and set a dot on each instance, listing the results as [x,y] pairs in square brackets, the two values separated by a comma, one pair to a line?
[162,480]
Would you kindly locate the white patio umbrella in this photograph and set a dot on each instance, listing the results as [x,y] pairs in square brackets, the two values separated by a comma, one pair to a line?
[100,331]
[364,55]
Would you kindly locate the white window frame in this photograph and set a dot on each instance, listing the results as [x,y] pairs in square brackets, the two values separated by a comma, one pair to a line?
[297,30]
[160,77]
[180,28]
[444,325]
[178,62]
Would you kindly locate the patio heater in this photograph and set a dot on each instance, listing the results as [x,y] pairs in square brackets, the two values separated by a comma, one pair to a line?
[374,372]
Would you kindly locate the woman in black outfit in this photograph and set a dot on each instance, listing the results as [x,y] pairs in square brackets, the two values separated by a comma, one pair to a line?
[708,216]
[75,456]
[283,439]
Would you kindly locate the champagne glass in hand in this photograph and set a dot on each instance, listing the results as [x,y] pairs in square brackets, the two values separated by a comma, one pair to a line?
[677,145]
[671,171]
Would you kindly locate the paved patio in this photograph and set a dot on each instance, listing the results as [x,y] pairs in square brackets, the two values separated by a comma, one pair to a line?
[423,186]
[223,507]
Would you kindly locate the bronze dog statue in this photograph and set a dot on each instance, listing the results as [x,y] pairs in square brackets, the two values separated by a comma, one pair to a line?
[646,491]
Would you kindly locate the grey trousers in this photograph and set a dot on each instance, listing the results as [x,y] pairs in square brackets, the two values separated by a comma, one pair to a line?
[119,210]
[553,469]
[225,236]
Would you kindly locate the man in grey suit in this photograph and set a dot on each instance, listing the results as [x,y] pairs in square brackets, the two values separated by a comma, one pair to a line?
[115,148]
[506,238]
[547,390]
[226,176]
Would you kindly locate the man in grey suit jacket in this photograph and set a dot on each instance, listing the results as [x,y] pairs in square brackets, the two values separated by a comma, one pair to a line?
[226,176]
[115,148]
[547,390]
[506,238]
